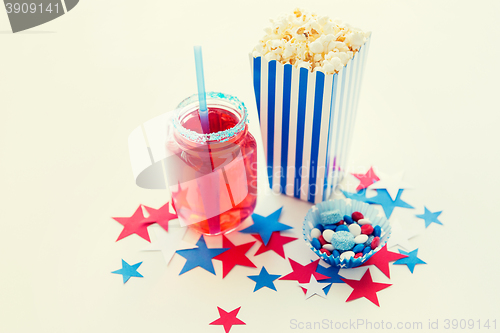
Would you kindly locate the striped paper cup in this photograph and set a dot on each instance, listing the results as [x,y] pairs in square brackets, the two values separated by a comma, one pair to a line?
[306,121]
[345,207]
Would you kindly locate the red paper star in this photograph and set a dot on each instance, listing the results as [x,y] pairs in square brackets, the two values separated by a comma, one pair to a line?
[160,216]
[365,288]
[276,243]
[234,256]
[228,319]
[302,274]
[366,179]
[382,258]
[133,225]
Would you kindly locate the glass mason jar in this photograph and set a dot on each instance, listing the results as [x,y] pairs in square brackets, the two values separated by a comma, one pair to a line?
[212,177]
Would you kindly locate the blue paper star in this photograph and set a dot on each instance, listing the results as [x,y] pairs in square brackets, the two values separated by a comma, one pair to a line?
[266,225]
[333,273]
[384,199]
[359,196]
[410,261]
[128,271]
[430,217]
[200,257]
[264,279]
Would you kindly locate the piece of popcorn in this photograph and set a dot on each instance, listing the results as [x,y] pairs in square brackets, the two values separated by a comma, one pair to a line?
[316,47]
[307,40]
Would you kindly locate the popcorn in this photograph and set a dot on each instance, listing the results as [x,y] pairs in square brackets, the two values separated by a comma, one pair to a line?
[305,40]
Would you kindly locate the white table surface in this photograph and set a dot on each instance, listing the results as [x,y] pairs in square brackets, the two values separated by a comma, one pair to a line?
[73,89]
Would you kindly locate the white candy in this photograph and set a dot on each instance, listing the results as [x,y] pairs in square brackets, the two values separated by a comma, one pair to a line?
[355,229]
[315,233]
[346,255]
[360,239]
[328,234]
[364,221]
[328,247]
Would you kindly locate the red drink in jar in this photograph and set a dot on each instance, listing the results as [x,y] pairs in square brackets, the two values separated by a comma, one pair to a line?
[212,177]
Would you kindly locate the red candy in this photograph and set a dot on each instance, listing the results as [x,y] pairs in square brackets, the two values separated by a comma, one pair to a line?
[375,242]
[357,255]
[322,240]
[325,251]
[367,229]
[356,216]
[340,222]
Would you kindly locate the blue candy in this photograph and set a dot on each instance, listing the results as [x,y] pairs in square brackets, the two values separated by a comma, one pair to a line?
[331,227]
[377,231]
[336,254]
[315,242]
[342,227]
[369,241]
[366,250]
[343,240]
[320,227]
[358,248]
[348,219]
[331,217]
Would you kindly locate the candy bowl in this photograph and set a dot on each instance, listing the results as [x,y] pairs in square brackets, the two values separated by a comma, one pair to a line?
[344,232]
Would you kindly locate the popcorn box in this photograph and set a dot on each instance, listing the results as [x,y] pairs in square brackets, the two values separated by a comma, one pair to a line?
[306,120]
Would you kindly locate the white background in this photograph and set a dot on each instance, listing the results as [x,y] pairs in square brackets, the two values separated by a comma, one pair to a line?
[73,89]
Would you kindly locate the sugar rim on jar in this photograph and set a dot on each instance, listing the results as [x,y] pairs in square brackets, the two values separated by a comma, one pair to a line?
[221,136]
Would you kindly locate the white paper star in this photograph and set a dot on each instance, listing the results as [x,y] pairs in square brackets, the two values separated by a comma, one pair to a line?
[391,183]
[400,236]
[314,287]
[169,242]
[355,273]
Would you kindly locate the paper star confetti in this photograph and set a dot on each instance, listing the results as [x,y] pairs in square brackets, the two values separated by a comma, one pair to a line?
[234,256]
[333,276]
[160,216]
[411,260]
[391,183]
[400,236]
[366,179]
[359,196]
[199,257]
[266,225]
[315,288]
[383,198]
[365,288]
[276,243]
[228,319]
[264,279]
[133,225]
[302,274]
[430,217]
[169,242]
[382,258]
[127,271]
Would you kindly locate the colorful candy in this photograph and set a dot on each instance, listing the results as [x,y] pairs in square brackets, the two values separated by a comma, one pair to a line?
[327,235]
[348,219]
[358,248]
[331,217]
[315,242]
[315,233]
[345,237]
[361,239]
[342,228]
[366,229]
[342,240]
[354,229]
[356,216]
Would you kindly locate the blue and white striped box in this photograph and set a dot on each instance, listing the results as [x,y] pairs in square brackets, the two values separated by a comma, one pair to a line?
[306,121]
